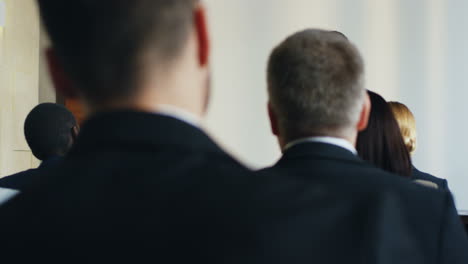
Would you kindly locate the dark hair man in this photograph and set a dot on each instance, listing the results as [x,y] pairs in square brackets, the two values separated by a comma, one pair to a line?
[317,105]
[143,182]
[50,130]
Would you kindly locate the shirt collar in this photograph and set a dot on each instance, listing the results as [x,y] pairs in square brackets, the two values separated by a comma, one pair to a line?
[180,114]
[7,194]
[327,140]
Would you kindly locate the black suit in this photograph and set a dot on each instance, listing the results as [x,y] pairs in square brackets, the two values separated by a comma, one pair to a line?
[419,175]
[148,188]
[433,224]
[23,180]
[135,187]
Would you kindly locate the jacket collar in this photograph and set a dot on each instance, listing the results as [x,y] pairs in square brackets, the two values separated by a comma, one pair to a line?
[318,150]
[50,162]
[328,140]
[139,130]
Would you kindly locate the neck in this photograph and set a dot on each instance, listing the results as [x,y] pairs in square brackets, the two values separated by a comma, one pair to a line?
[352,139]
[176,92]
[149,106]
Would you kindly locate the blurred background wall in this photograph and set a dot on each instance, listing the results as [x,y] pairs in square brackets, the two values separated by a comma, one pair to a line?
[19,79]
[415,51]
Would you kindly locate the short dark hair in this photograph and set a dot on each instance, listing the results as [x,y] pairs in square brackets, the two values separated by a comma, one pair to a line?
[101,43]
[382,143]
[315,83]
[48,130]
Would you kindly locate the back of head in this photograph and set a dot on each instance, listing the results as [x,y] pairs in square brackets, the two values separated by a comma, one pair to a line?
[48,130]
[315,84]
[407,124]
[103,45]
[381,143]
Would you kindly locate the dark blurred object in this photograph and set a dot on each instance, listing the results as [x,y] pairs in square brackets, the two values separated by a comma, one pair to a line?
[50,130]
[464,218]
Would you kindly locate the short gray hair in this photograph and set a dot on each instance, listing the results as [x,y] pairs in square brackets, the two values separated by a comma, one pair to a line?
[316,84]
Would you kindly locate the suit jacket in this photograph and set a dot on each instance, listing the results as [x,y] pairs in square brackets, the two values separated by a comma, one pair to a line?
[140,187]
[433,227]
[419,175]
[135,187]
[23,180]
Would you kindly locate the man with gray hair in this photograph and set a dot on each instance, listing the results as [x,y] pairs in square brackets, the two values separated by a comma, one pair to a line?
[317,105]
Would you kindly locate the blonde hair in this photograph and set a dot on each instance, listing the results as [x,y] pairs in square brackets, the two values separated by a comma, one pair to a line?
[407,124]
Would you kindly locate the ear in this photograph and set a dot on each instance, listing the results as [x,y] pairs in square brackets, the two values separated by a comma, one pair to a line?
[273,120]
[60,79]
[202,35]
[365,114]
[74,131]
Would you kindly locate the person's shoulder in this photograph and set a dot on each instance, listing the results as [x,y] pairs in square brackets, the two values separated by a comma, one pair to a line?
[17,180]
[222,165]
[362,177]
[12,176]
[419,200]
[265,170]
[398,182]
[419,175]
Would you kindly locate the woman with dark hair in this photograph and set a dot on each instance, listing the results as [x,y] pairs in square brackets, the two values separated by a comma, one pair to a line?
[382,143]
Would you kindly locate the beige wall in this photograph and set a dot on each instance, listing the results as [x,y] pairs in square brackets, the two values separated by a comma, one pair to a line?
[19,77]
[46,90]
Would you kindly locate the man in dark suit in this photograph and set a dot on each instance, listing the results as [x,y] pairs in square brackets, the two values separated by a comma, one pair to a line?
[317,105]
[50,130]
[143,182]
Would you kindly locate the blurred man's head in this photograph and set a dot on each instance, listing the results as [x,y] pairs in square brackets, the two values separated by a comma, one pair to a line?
[316,87]
[50,130]
[129,54]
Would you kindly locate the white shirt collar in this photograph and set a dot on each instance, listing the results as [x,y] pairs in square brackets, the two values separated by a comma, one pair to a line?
[342,143]
[180,114]
[7,194]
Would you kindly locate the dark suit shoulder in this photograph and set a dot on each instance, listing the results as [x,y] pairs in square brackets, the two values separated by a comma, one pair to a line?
[419,175]
[358,174]
[348,172]
[176,197]
[18,181]
[390,201]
